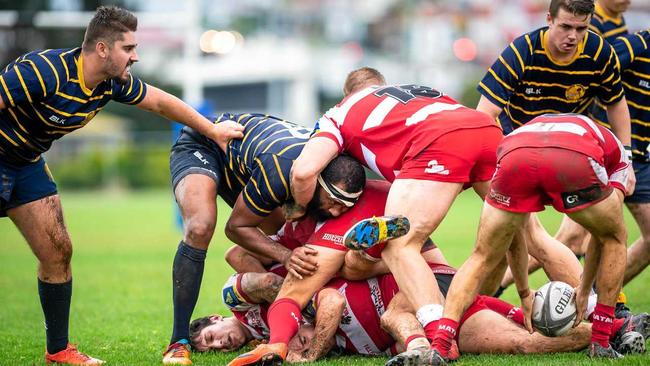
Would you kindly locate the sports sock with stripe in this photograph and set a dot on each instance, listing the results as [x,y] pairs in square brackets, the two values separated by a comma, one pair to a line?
[284,320]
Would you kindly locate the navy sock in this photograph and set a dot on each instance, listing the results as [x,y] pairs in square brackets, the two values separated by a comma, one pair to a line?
[55,301]
[499,292]
[187,274]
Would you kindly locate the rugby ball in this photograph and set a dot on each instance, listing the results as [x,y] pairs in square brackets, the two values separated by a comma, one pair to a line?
[554,309]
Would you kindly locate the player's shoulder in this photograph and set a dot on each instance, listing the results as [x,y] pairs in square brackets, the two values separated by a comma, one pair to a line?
[596,47]
[527,43]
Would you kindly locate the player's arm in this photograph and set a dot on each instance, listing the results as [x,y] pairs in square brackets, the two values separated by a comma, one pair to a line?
[518,261]
[619,118]
[629,46]
[172,108]
[329,309]
[261,287]
[486,106]
[315,156]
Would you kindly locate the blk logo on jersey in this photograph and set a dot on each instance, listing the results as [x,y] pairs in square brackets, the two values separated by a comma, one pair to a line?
[434,168]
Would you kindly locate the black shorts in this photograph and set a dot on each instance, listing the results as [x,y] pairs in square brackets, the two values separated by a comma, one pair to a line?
[24,184]
[194,153]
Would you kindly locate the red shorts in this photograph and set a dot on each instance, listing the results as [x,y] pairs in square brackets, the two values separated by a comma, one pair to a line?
[529,178]
[460,156]
[474,308]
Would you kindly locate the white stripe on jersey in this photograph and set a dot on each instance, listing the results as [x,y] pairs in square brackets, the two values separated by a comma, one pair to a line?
[338,113]
[375,294]
[433,108]
[380,112]
[592,125]
[354,330]
[371,160]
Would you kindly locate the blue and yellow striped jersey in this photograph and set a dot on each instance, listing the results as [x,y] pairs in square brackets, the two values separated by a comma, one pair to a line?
[634,56]
[45,98]
[261,161]
[606,26]
[526,82]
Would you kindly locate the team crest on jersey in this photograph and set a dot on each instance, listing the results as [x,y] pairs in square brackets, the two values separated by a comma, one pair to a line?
[575,92]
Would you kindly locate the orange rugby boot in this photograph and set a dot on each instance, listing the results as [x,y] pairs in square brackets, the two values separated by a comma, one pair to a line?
[71,356]
[263,355]
[177,353]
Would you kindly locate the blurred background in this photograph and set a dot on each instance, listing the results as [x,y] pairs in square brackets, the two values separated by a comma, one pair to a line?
[283,57]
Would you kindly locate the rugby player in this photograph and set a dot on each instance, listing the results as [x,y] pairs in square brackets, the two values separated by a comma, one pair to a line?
[44,95]
[424,142]
[252,176]
[581,169]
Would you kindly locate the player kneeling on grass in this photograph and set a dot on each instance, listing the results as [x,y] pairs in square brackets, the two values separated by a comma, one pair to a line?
[581,169]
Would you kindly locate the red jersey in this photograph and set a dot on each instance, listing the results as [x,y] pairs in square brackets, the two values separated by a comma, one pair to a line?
[572,132]
[383,126]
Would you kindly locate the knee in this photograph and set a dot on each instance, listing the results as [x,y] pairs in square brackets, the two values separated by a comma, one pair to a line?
[385,319]
[198,232]
[271,281]
[61,255]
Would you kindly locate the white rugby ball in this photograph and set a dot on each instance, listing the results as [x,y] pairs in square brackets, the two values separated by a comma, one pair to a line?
[554,309]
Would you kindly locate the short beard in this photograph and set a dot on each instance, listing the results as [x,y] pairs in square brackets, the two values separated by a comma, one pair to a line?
[314,209]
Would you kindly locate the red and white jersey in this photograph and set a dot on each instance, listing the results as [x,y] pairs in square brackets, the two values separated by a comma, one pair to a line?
[577,133]
[383,126]
[254,318]
[360,327]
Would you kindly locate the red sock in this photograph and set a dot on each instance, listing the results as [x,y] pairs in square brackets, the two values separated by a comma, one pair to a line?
[618,324]
[447,330]
[507,310]
[284,320]
[601,326]
[431,329]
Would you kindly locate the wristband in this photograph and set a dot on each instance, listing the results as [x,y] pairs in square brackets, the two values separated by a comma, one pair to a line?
[628,151]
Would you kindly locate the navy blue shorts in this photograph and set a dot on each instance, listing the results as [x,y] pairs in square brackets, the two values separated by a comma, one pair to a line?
[642,189]
[194,153]
[20,185]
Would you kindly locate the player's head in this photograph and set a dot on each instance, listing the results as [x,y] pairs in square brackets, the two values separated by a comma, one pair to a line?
[216,333]
[362,78]
[301,342]
[339,187]
[568,22]
[111,35]
[614,7]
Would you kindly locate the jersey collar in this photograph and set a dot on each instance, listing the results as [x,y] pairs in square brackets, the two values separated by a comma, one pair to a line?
[606,18]
[80,74]
[579,50]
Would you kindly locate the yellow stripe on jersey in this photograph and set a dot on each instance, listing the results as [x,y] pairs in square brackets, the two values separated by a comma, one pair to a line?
[497,78]
[513,119]
[639,90]
[638,106]
[640,138]
[279,170]
[139,93]
[4,86]
[600,48]
[642,59]
[290,147]
[530,44]
[65,67]
[546,69]
[521,62]
[492,94]
[38,75]
[512,72]
[56,74]
[535,113]
[640,122]
[550,97]
[22,82]
[78,114]
[266,179]
[13,115]
[610,100]
[614,32]
[8,138]
[629,47]
[639,74]
[250,200]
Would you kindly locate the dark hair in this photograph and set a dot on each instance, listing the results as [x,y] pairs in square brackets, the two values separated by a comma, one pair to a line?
[359,78]
[345,169]
[108,25]
[197,326]
[576,7]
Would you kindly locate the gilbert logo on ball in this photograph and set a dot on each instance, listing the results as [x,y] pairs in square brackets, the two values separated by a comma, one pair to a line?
[554,309]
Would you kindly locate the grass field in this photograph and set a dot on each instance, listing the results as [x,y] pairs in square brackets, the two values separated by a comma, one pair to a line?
[121,307]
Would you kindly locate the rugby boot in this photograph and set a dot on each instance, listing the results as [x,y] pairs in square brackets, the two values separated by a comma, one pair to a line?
[630,342]
[177,353]
[597,351]
[263,355]
[621,310]
[639,323]
[71,356]
[369,232]
[424,356]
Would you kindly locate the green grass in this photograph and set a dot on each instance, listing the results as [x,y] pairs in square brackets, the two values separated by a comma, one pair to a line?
[121,307]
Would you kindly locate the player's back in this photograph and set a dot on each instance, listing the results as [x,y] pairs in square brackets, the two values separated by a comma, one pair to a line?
[384,125]
[567,131]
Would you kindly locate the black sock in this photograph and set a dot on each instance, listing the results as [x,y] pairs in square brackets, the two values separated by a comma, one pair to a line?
[55,301]
[499,291]
[187,274]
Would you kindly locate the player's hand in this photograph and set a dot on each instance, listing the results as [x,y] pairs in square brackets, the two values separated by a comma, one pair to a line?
[293,211]
[225,131]
[296,357]
[302,262]
[527,308]
[631,181]
[581,297]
